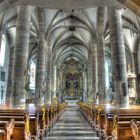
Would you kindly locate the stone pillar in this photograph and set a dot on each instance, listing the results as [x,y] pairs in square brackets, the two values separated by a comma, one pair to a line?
[21,56]
[48,77]
[135,57]
[84,86]
[101,54]
[58,84]
[119,70]
[41,66]
[54,75]
[90,76]
[57,81]
[9,92]
[95,70]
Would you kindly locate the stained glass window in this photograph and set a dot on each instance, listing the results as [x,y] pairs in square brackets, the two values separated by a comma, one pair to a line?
[32,75]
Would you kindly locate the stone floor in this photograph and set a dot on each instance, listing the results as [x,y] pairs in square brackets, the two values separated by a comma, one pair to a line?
[71,126]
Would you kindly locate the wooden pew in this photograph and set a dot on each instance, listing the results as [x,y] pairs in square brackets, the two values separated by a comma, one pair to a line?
[2,134]
[34,127]
[86,111]
[39,121]
[135,126]
[103,121]
[112,123]
[99,119]
[6,129]
[20,124]
[45,117]
[93,113]
[19,132]
[28,126]
[117,125]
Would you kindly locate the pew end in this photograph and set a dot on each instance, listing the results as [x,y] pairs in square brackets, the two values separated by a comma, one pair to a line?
[135,126]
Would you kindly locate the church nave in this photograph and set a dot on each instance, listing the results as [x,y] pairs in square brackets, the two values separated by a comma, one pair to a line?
[69,69]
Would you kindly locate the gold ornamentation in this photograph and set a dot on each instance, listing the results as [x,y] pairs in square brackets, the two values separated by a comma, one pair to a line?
[43,113]
[98,115]
[27,125]
[115,126]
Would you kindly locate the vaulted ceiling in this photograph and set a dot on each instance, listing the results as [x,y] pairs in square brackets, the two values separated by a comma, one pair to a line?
[70,4]
[134,5]
[70,24]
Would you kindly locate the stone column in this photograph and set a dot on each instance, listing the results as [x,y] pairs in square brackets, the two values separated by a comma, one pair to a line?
[84,86]
[90,76]
[48,76]
[57,81]
[94,70]
[21,55]
[9,92]
[41,66]
[135,57]
[54,77]
[119,70]
[58,84]
[101,54]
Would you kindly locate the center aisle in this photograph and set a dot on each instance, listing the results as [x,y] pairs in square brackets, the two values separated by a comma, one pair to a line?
[71,126]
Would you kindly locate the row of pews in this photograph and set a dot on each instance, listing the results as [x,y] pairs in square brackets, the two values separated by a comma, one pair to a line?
[111,123]
[16,124]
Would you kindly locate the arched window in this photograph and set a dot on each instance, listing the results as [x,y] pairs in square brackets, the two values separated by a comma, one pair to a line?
[32,75]
[107,74]
[2,50]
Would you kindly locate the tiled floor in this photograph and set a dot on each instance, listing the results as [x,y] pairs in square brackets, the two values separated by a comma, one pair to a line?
[71,126]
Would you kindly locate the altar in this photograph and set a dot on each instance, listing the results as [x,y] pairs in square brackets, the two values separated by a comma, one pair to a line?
[72,102]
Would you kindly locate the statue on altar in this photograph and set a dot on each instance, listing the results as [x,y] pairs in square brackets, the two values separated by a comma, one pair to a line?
[71,89]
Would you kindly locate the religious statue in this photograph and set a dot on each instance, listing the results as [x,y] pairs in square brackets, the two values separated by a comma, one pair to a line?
[129,68]
[132,95]
[71,89]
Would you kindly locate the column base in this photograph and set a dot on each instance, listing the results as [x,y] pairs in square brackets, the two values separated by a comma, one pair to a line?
[123,103]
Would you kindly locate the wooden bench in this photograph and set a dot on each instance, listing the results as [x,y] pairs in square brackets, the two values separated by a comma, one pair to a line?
[6,129]
[34,127]
[86,110]
[41,115]
[19,126]
[135,126]
[28,126]
[117,124]
[19,132]
[2,134]
[47,116]
[112,123]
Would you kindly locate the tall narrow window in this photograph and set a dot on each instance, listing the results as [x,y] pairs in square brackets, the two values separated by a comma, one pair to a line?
[32,75]
[2,50]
